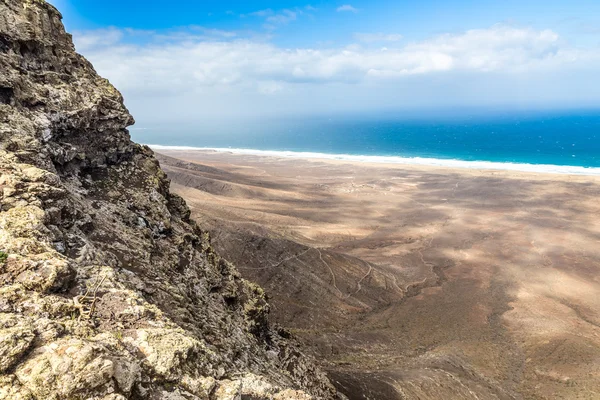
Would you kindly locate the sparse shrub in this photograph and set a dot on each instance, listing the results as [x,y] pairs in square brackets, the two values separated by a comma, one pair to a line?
[3,257]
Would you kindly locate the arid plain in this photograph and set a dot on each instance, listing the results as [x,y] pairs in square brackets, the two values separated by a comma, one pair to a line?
[415,282]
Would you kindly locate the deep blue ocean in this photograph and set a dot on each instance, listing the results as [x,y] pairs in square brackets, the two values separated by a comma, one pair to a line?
[571,139]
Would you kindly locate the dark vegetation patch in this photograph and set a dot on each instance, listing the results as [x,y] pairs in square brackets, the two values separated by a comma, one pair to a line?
[3,257]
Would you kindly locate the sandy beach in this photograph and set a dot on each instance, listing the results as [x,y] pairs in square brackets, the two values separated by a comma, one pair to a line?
[432,281]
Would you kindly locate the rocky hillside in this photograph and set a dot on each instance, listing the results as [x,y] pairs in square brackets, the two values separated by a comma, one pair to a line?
[107,289]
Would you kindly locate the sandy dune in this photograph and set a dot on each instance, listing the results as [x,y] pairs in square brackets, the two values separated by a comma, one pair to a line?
[416,282]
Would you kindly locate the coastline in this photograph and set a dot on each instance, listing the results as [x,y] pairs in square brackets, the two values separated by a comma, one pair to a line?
[393,160]
[372,259]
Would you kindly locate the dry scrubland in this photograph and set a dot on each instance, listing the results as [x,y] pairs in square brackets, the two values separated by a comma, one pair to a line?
[413,281]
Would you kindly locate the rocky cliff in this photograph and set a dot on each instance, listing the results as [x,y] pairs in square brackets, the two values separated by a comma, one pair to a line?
[107,289]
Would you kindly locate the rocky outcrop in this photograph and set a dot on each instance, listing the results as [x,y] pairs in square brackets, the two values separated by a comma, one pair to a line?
[107,289]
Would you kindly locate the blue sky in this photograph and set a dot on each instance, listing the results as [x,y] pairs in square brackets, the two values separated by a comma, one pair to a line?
[320,22]
[200,59]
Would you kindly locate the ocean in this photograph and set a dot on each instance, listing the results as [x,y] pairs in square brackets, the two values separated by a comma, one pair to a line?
[540,142]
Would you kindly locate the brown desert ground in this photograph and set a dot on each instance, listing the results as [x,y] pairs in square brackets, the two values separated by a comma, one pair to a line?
[415,282]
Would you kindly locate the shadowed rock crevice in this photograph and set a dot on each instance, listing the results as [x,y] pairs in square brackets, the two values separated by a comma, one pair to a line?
[6,95]
[109,290]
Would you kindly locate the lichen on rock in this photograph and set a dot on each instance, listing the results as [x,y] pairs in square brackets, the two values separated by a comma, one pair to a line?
[107,289]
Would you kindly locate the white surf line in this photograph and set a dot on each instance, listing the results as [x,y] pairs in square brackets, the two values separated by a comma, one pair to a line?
[420,161]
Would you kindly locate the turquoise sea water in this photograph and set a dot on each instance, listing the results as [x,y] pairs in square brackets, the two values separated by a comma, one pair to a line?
[562,139]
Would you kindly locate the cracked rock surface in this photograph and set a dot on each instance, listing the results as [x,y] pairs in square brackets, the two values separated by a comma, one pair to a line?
[107,289]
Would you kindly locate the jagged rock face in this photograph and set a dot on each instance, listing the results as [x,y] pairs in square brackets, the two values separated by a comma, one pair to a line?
[107,289]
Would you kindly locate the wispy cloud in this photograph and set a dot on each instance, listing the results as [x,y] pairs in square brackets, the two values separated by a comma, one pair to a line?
[262,13]
[196,61]
[274,19]
[196,66]
[377,37]
[100,38]
[347,8]
[284,17]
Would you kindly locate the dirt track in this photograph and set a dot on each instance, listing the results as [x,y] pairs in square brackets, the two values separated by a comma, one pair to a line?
[414,282]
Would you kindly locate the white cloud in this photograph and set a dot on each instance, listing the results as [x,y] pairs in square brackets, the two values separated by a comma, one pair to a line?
[283,18]
[99,38]
[274,19]
[218,32]
[196,70]
[347,8]
[262,13]
[377,37]
[197,61]
[269,87]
